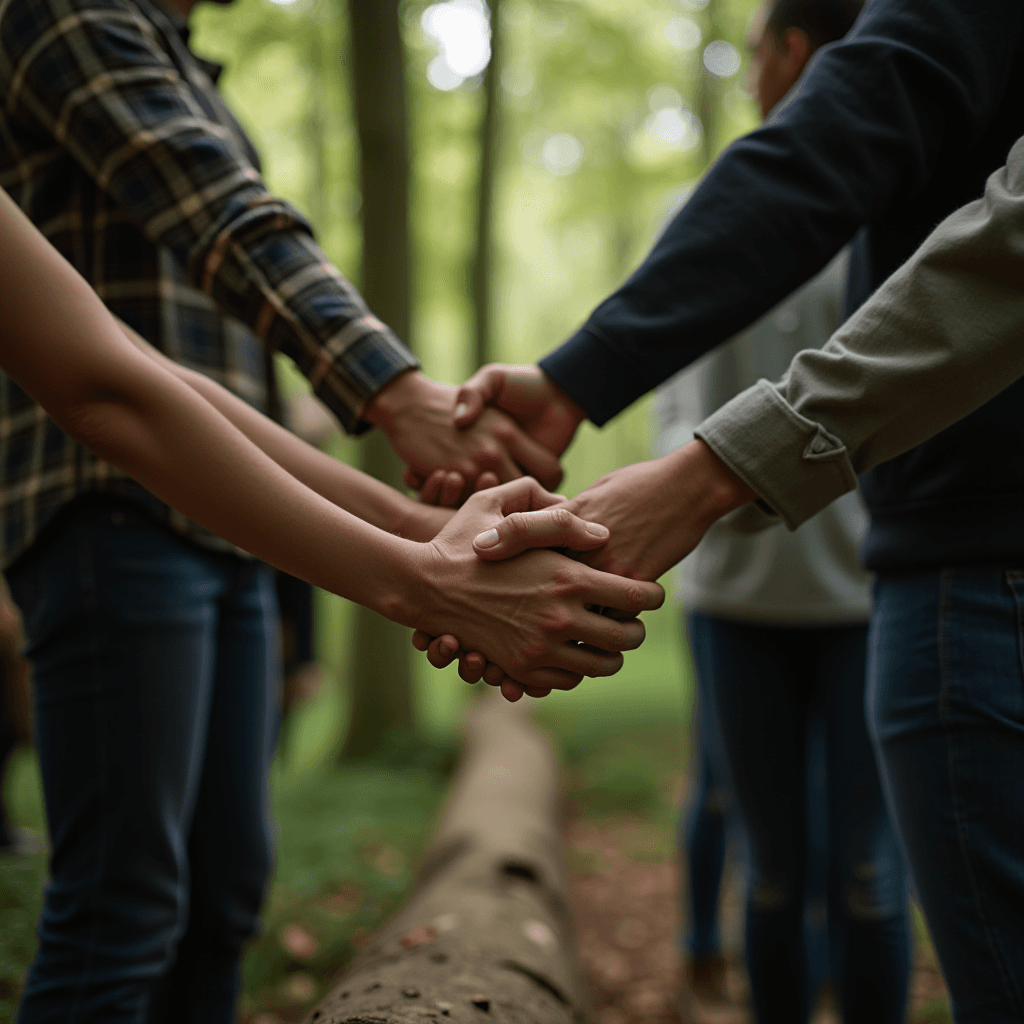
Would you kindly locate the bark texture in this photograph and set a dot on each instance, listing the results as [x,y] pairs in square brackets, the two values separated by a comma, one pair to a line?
[487,936]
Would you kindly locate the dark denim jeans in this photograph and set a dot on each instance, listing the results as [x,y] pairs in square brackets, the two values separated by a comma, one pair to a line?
[762,685]
[709,829]
[156,676]
[946,702]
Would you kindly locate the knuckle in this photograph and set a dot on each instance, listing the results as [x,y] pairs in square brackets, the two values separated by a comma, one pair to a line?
[617,640]
[566,579]
[517,525]
[488,452]
[563,518]
[503,430]
[556,621]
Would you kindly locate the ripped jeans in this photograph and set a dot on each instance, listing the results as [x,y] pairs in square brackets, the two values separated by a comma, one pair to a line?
[761,683]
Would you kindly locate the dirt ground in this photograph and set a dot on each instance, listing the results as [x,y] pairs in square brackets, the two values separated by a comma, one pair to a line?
[627,913]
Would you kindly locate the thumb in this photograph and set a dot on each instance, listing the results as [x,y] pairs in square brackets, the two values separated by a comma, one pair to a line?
[483,387]
[548,528]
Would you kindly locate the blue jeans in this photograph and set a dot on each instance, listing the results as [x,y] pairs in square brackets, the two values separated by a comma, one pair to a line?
[156,672]
[708,830]
[704,835]
[763,683]
[946,702]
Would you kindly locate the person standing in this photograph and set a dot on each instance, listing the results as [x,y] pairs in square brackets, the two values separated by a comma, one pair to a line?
[777,623]
[899,127]
[154,642]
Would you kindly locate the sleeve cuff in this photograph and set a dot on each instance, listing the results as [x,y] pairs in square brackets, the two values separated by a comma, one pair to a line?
[794,464]
[599,379]
[354,369]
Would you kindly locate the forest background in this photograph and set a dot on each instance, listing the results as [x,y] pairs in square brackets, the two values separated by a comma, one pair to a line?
[539,176]
[546,142]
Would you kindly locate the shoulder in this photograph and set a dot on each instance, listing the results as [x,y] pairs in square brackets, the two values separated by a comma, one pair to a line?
[57,44]
[32,25]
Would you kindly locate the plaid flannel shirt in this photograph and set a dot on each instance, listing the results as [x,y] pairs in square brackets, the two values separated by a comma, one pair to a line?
[116,143]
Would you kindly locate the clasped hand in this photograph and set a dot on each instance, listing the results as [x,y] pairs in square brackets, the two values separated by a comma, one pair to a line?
[533,620]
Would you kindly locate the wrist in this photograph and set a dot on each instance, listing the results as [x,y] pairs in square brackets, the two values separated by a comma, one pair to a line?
[418,522]
[708,485]
[388,405]
[399,591]
[570,405]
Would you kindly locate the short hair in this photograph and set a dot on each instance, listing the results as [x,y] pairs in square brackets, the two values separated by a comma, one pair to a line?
[824,21]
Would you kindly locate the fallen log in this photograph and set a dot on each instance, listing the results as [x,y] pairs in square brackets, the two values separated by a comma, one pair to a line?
[486,936]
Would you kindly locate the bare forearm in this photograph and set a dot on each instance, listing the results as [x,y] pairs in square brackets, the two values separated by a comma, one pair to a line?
[356,492]
[63,347]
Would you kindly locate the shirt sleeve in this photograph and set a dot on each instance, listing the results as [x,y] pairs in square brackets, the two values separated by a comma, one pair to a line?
[873,118]
[939,339]
[96,75]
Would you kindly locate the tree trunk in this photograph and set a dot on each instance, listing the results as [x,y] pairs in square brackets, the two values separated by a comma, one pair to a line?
[483,254]
[381,685]
[487,935]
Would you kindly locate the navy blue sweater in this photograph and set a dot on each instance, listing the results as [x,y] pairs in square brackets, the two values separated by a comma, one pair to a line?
[892,129]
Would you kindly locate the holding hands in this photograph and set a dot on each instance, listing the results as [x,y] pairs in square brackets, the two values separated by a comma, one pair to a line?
[536,616]
[539,411]
[416,414]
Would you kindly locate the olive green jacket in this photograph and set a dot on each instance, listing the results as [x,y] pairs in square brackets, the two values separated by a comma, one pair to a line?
[940,338]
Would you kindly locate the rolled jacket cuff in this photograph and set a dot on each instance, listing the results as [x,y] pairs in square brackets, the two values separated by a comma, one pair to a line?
[794,464]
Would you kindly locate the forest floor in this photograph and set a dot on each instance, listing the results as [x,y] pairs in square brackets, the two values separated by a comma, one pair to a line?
[627,914]
[349,843]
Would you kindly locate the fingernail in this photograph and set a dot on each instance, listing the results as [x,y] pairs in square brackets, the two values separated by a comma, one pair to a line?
[446,648]
[597,529]
[461,409]
[486,540]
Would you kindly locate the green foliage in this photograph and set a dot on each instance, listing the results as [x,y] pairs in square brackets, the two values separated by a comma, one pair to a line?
[21,896]
[586,68]
[629,773]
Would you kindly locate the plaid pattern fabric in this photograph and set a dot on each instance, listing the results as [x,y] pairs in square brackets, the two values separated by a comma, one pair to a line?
[116,143]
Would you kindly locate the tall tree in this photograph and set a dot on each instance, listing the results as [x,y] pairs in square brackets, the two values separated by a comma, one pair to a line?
[483,250]
[381,688]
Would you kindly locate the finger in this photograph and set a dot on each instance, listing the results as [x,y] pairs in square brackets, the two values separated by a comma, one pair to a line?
[618,592]
[580,659]
[511,690]
[506,468]
[471,666]
[519,495]
[412,479]
[431,489]
[547,528]
[551,678]
[483,387]
[443,651]
[421,641]
[608,635]
[451,489]
[536,691]
[533,457]
[493,674]
[486,480]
